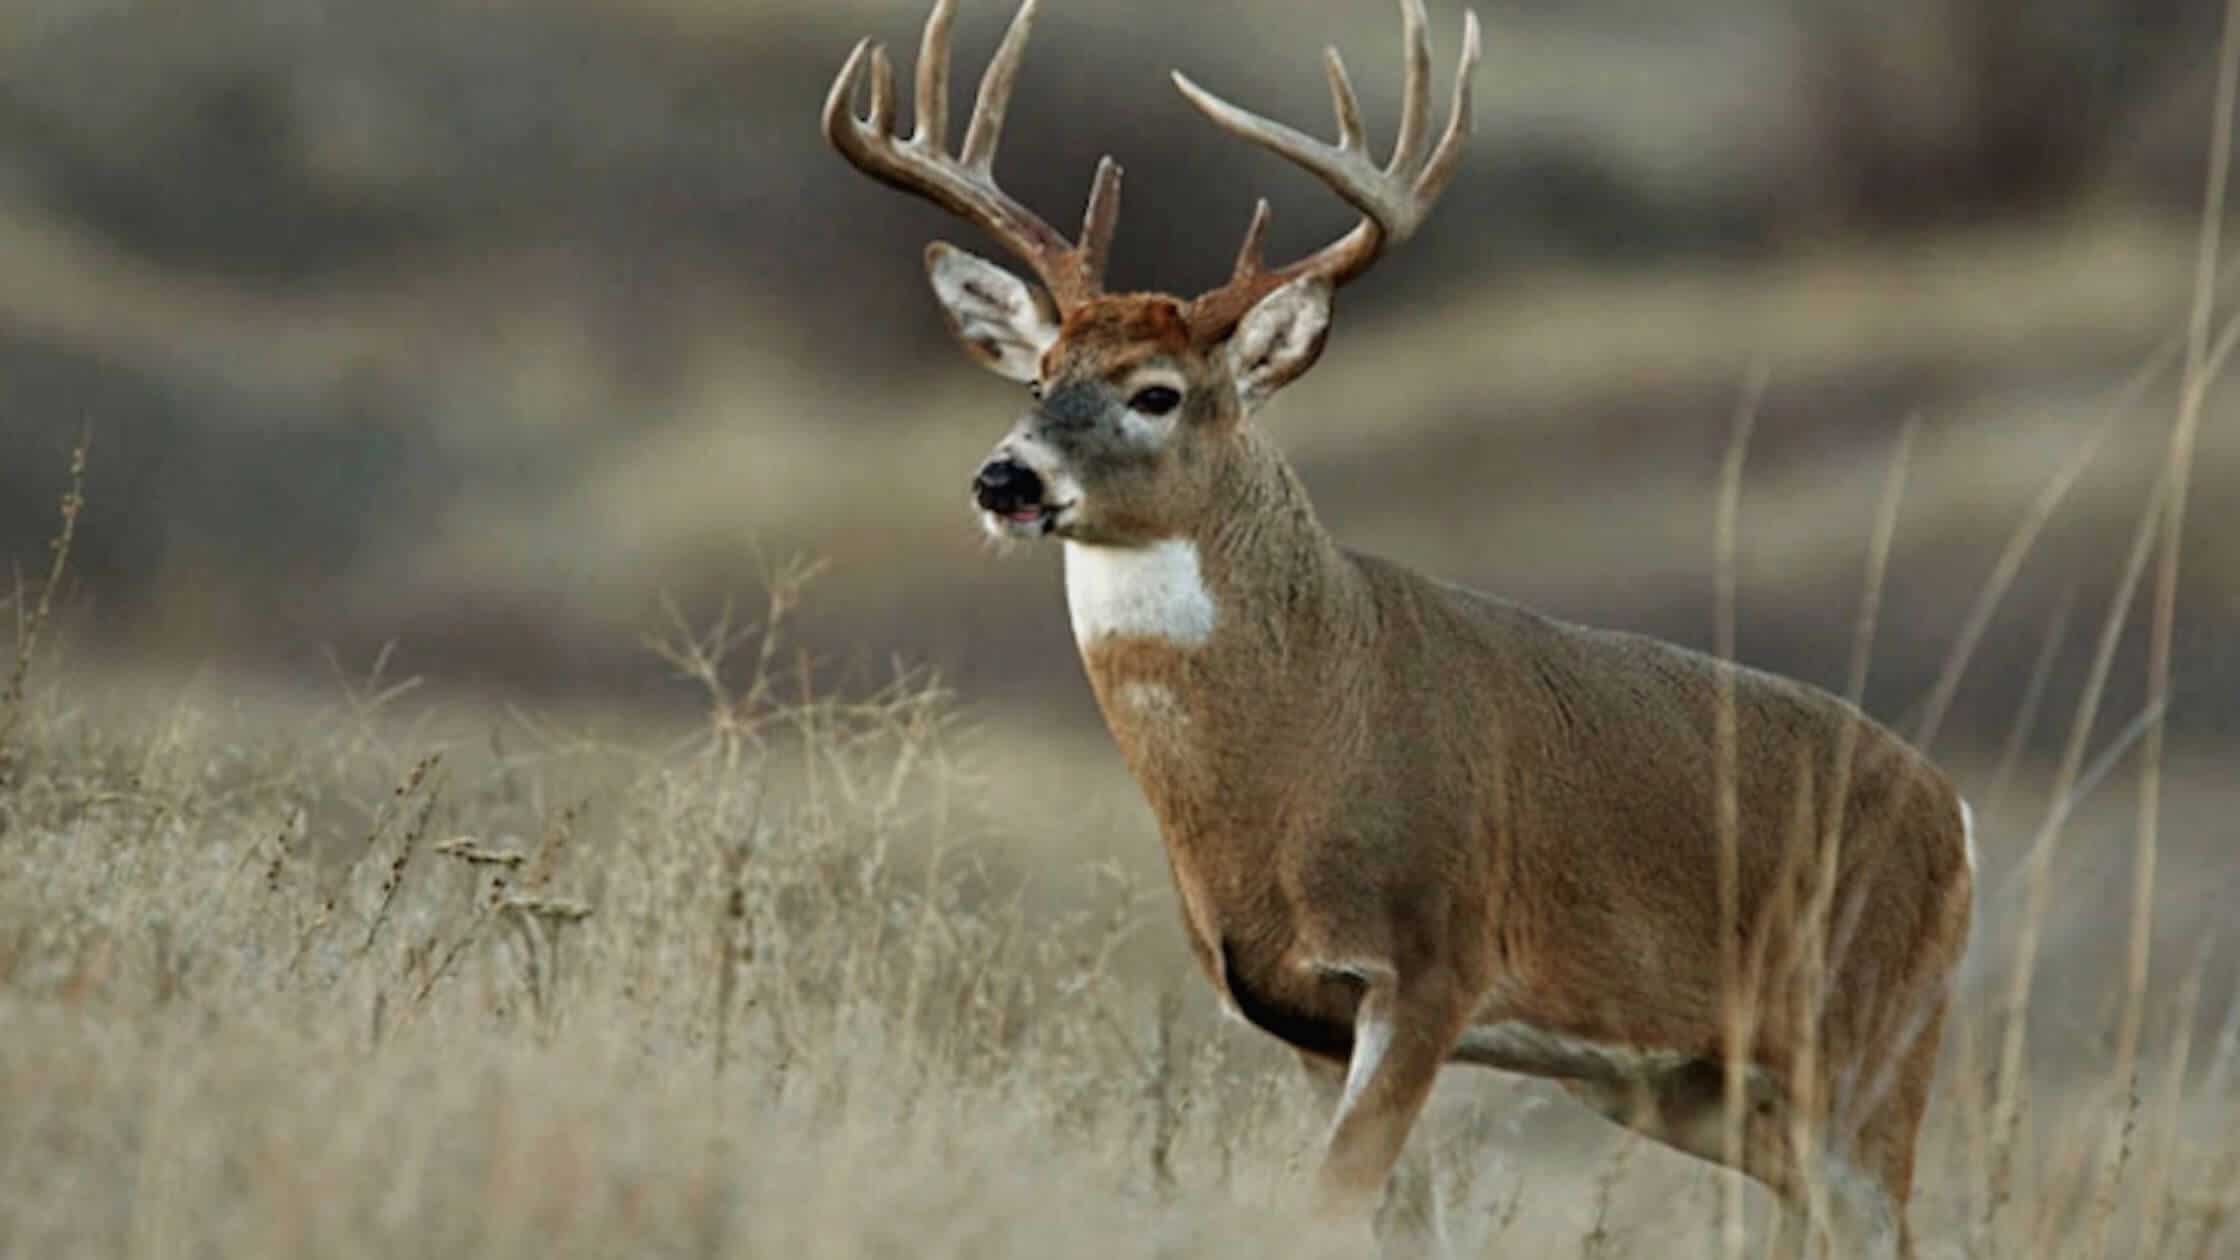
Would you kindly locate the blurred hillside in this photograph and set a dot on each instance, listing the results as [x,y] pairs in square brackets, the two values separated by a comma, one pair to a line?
[480,328]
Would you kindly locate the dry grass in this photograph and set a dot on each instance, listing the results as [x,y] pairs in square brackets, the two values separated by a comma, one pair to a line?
[393,976]
[321,992]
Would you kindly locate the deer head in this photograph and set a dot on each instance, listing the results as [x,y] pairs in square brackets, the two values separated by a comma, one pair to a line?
[1139,398]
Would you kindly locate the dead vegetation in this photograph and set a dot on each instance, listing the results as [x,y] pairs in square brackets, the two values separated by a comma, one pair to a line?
[391,976]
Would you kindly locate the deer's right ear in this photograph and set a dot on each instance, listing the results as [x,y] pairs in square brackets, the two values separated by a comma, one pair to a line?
[1001,320]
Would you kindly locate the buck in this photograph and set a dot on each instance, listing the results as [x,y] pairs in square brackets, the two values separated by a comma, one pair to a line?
[1410,824]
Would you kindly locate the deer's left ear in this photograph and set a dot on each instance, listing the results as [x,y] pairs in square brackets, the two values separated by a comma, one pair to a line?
[1279,339]
[1000,319]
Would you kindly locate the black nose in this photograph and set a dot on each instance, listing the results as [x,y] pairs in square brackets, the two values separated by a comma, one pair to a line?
[1006,486]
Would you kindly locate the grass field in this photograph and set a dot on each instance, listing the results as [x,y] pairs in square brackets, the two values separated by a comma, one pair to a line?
[382,975]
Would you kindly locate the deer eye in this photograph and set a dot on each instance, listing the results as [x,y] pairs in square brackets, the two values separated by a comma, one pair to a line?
[1155,400]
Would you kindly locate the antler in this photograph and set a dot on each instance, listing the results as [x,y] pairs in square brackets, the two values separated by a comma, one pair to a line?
[1394,200]
[965,184]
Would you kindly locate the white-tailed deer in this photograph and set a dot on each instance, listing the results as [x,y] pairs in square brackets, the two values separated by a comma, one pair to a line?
[1410,824]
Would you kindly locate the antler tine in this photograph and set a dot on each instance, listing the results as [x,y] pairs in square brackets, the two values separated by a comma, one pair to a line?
[986,128]
[1249,262]
[1415,92]
[1447,158]
[882,92]
[1322,159]
[839,101]
[1098,222]
[1394,199]
[1351,133]
[964,184]
[932,131]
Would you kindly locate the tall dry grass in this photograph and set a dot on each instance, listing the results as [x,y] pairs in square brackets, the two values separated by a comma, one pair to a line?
[388,977]
[352,988]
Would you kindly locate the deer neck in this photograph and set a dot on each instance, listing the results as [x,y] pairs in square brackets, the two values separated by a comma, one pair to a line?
[1262,573]
[1241,634]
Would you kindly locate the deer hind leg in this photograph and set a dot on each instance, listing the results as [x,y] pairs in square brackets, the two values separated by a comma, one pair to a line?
[1684,1106]
[1863,1164]
[1870,1124]
[1408,1220]
[1862,1168]
[1882,1142]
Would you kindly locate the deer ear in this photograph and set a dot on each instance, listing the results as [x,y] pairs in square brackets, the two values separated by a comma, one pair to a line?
[1001,320]
[1279,339]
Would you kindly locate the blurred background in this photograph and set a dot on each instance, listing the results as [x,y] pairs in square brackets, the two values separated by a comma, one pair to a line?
[481,328]
[478,341]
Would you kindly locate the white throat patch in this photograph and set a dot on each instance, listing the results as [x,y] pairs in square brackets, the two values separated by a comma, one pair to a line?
[1154,592]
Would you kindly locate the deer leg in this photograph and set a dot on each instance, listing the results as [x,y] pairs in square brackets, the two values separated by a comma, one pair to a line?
[1874,1165]
[1400,1037]
[1863,1177]
[1408,1221]
[1685,1107]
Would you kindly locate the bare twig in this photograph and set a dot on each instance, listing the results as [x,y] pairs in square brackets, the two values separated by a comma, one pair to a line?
[1739,1002]
[32,621]
[2201,374]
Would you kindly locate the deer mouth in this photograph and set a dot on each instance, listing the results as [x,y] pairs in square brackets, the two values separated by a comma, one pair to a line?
[1033,520]
[1040,520]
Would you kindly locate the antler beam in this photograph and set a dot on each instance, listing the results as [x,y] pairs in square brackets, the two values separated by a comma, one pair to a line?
[1394,199]
[964,183]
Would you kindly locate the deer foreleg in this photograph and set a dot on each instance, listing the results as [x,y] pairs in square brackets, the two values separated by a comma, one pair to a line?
[1408,1220]
[1401,1034]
